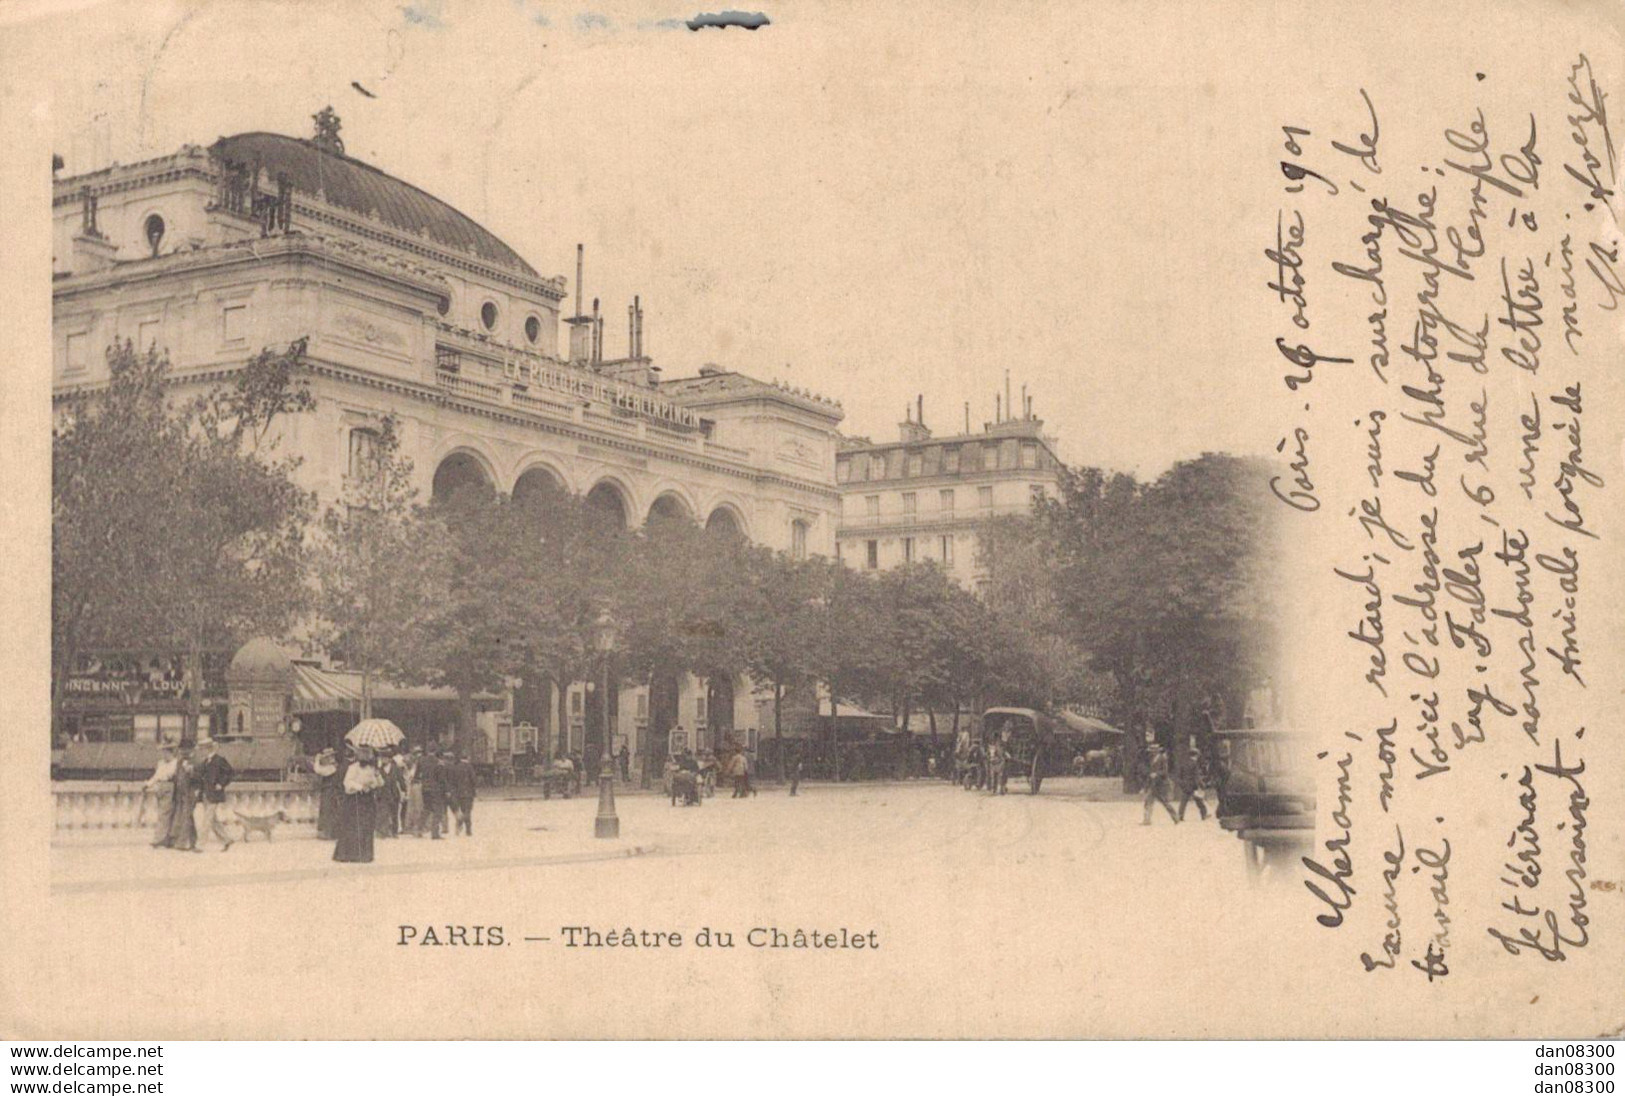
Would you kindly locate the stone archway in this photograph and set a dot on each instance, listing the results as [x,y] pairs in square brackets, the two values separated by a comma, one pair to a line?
[538,483]
[608,501]
[670,507]
[458,473]
[724,522]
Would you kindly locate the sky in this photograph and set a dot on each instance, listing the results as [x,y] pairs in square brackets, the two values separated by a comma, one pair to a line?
[874,202]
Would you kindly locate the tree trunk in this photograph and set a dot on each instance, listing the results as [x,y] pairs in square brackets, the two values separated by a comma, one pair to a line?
[194,691]
[465,722]
[366,693]
[835,735]
[560,745]
[646,778]
[778,725]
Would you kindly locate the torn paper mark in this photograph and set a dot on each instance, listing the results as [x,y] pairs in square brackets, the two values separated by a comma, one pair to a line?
[748,20]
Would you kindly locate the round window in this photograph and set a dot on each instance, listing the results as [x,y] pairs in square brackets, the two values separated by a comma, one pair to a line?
[444,304]
[533,328]
[488,315]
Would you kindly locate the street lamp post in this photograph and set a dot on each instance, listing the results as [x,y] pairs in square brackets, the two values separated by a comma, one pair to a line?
[607,824]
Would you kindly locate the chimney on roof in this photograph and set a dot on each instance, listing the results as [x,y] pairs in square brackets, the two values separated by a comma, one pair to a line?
[967,416]
[597,333]
[580,326]
[913,427]
[637,304]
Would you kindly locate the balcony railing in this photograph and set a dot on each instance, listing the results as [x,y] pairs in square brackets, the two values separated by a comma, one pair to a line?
[925,518]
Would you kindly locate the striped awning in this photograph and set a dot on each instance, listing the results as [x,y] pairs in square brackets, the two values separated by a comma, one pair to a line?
[319,690]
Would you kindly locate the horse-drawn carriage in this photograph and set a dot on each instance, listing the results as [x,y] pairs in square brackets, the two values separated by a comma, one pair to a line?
[1038,744]
[1266,792]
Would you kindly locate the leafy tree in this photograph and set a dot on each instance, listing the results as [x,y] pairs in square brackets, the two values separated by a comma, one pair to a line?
[370,568]
[779,614]
[195,525]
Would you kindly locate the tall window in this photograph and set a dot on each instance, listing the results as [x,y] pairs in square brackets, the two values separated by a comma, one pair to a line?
[908,503]
[945,501]
[871,505]
[1029,454]
[872,552]
[908,549]
[78,356]
[843,471]
[984,497]
[947,545]
[234,323]
[798,540]
[915,464]
[363,454]
[950,459]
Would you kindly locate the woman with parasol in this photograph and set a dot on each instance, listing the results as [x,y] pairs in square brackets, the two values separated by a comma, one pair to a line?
[358,808]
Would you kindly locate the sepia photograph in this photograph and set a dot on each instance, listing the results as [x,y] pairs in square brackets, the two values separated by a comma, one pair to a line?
[852,521]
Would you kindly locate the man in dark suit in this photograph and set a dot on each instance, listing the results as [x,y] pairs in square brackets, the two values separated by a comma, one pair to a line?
[433,774]
[212,774]
[461,788]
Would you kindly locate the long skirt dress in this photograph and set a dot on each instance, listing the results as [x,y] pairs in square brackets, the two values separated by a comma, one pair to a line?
[327,808]
[414,807]
[357,819]
[388,809]
[165,818]
[182,828]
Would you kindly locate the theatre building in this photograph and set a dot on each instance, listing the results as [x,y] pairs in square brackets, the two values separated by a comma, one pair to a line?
[412,310]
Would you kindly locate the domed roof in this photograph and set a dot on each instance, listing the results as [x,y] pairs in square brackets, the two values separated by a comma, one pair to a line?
[352,185]
[260,658]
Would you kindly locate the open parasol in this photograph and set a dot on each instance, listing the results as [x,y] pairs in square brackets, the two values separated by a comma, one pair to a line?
[375,734]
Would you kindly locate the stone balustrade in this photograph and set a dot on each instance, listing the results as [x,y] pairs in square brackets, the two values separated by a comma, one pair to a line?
[88,806]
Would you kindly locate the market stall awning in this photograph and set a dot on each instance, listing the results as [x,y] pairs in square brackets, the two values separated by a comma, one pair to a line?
[319,690]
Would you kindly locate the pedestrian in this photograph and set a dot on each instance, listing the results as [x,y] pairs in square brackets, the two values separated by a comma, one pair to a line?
[413,822]
[995,766]
[162,785]
[213,774]
[625,757]
[1157,785]
[795,773]
[387,814]
[326,767]
[577,768]
[1188,773]
[433,776]
[358,809]
[182,817]
[750,773]
[462,795]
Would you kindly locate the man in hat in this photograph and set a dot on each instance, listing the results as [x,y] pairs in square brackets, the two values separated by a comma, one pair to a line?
[213,773]
[462,795]
[1188,775]
[1157,784]
[433,774]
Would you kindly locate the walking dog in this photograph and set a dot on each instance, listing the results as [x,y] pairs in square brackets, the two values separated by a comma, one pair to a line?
[260,823]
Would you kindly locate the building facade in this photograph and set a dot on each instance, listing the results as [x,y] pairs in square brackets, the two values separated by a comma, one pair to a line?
[409,309]
[925,498]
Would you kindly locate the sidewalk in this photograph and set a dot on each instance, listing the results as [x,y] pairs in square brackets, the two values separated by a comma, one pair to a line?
[506,834]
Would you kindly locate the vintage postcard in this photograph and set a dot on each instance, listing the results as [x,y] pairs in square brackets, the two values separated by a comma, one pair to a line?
[876,520]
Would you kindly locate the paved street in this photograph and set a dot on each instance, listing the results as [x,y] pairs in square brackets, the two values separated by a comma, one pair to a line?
[1047,900]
